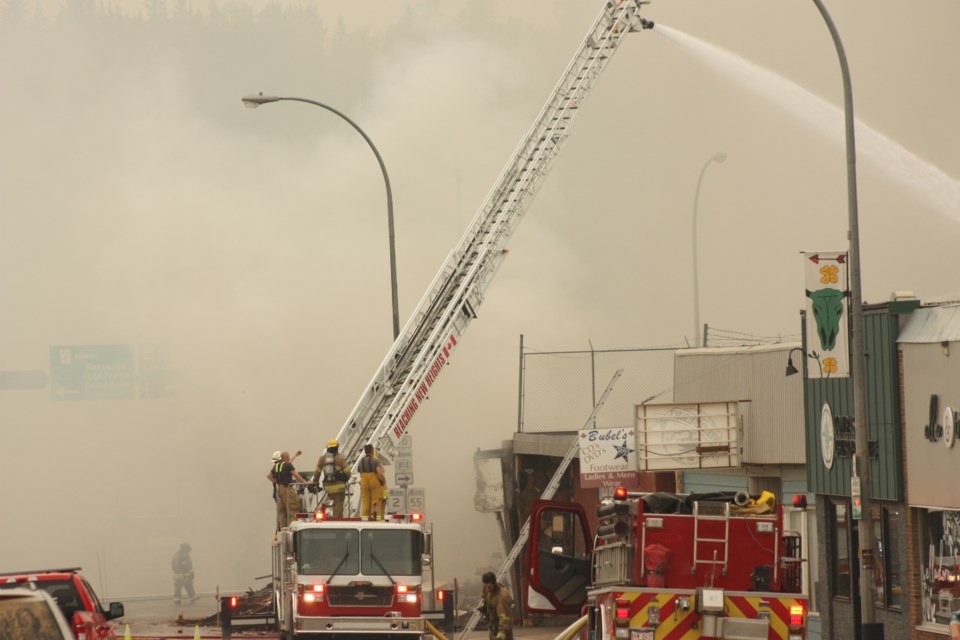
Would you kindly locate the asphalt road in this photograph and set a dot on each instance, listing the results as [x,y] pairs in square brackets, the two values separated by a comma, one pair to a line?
[161,619]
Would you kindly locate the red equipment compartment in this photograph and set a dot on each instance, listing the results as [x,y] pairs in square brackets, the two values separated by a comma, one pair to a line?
[731,552]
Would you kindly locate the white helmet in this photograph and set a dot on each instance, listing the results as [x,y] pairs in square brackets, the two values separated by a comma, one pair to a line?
[277,455]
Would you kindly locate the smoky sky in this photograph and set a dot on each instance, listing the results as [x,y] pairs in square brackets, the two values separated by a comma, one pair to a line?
[141,204]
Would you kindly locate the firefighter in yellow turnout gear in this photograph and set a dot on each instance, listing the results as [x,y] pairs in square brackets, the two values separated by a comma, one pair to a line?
[497,606]
[336,473]
[372,483]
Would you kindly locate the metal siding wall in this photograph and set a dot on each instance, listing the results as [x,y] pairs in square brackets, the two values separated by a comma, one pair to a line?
[883,414]
[775,432]
[777,412]
[839,393]
[705,481]
[793,480]
[883,393]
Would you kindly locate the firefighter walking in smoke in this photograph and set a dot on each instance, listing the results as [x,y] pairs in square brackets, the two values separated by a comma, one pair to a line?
[497,606]
[282,474]
[372,483]
[182,567]
[336,472]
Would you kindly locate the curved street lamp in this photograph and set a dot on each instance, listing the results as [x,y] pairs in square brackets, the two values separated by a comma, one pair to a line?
[254,101]
[870,628]
[719,158]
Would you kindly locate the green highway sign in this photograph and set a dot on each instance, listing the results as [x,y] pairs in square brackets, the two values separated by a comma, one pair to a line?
[93,372]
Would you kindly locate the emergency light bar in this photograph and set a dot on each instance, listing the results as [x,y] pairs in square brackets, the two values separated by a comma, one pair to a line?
[407,517]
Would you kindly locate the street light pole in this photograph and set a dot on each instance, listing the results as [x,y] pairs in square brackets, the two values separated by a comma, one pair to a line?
[861,467]
[254,101]
[718,157]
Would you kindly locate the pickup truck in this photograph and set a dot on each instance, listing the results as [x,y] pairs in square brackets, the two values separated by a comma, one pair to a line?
[74,596]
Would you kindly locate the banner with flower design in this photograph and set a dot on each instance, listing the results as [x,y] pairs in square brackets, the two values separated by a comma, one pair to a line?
[827,329]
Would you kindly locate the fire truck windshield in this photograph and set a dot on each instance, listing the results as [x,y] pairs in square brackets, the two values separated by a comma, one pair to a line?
[328,551]
[390,553]
[372,552]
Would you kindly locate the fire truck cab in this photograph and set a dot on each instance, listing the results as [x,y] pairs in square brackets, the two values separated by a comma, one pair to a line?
[349,576]
[669,567]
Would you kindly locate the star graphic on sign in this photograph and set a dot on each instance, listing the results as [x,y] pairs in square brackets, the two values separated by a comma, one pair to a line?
[623,452]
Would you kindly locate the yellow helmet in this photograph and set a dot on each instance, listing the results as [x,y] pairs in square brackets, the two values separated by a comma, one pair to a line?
[332,443]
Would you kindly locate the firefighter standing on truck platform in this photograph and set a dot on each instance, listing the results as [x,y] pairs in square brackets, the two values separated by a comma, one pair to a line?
[372,484]
[336,472]
[282,474]
[497,606]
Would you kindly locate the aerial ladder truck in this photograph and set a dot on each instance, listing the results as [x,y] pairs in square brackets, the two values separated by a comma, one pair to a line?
[347,577]
[430,337]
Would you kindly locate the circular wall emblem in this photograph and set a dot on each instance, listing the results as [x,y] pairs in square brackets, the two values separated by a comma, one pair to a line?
[827,436]
[949,431]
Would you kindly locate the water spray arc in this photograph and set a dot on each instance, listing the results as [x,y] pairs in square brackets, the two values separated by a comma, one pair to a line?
[927,182]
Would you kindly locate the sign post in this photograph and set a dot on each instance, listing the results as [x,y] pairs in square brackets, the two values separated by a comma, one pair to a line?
[403,461]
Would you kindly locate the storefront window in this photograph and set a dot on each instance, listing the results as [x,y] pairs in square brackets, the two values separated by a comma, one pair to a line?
[891,527]
[940,576]
[840,550]
[887,589]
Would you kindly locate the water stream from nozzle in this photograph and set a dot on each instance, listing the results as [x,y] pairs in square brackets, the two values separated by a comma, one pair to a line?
[935,188]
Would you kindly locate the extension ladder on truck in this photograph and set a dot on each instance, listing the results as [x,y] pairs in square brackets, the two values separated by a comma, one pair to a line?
[712,513]
[432,333]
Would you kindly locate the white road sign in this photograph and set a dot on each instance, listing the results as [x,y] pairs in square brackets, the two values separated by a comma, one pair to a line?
[416,500]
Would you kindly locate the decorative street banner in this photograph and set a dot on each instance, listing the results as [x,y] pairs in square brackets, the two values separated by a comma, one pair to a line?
[826,331]
[608,458]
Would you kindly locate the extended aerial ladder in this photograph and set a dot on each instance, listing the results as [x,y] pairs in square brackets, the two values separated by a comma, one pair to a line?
[432,333]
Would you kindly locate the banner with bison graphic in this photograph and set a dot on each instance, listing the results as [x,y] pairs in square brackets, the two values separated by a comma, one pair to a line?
[826,330]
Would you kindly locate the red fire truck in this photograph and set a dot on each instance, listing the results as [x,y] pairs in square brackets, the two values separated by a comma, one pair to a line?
[348,576]
[669,567]
[74,596]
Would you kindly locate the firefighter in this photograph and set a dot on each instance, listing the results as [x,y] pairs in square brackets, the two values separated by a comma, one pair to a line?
[182,567]
[372,483]
[497,606]
[282,474]
[336,472]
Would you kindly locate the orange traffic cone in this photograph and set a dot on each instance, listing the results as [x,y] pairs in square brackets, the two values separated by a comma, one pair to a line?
[196,632]
[126,633]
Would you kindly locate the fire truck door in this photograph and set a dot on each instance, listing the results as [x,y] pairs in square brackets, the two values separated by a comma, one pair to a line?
[558,558]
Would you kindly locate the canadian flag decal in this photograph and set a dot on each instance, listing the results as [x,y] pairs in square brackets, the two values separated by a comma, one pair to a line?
[451,343]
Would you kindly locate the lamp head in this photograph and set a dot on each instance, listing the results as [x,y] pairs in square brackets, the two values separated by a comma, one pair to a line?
[720,156]
[254,101]
[791,370]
